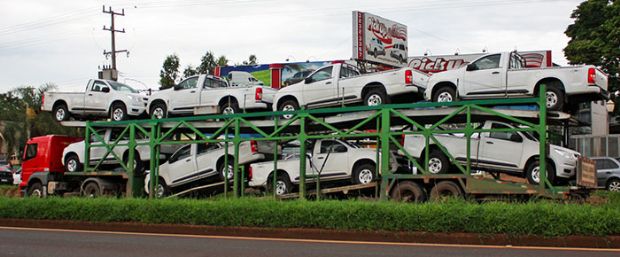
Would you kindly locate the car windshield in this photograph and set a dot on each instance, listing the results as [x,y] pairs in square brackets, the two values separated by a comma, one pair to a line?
[122,87]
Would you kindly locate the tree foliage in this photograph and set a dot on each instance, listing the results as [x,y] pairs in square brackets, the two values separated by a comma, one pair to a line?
[170,71]
[251,60]
[595,37]
[189,71]
[207,63]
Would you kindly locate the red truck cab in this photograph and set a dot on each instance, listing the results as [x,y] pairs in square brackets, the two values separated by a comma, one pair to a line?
[42,155]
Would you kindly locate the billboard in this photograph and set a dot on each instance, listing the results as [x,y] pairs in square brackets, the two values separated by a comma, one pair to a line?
[296,72]
[379,40]
[260,72]
[439,63]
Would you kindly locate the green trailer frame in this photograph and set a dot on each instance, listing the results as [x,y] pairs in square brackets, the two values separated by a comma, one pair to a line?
[343,123]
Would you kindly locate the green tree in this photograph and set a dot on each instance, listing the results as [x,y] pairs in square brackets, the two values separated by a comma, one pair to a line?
[222,61]
[207,63]
[251,60]
[189,71]
[170,72]
[595,37]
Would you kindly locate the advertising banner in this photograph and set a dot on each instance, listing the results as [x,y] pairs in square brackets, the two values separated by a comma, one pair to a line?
[439,63]
[247,73]
[379,40]
[296,72]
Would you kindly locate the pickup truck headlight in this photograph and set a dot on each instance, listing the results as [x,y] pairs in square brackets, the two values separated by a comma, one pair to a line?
[135,100]
[566,155]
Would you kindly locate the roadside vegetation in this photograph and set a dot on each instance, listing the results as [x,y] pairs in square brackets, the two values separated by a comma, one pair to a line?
[530,218]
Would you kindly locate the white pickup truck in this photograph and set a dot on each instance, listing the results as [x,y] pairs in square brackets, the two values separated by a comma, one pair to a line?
[341,83]
[504,75]
[507,152]
[207,94]
[329,159]
[196,163]
[101,98]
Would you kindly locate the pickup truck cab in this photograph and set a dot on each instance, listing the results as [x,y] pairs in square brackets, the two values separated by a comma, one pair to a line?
[207,94]
[341,83]
[101,98]
[505,75]
[329,159]
[507,152]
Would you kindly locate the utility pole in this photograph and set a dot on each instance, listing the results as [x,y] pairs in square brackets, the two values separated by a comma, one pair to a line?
[113,30]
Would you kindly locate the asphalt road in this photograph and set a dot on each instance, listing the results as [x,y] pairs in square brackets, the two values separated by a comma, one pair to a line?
[66,243]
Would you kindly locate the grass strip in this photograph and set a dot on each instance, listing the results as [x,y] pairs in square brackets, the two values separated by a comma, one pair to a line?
[532,218]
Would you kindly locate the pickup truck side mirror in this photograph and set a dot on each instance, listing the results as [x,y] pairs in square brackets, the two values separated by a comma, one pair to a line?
[471,67]
[105,90]
[308,80]
[516,138]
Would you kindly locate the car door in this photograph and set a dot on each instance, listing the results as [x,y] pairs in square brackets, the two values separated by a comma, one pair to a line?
[517,77]
[184,96]
[98,149]
[332,158]
[604,169]
[319,88]
[504,149]
[484,77]
[182,164]
[95,100]
[206,159]
[209,87]
[346,87]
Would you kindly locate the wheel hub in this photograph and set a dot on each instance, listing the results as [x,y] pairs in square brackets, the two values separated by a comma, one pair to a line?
[365,176]
[434,165]
[444,97]
[228,110]
[552,99]
[158,113]
[374,100]
[60,114]
[288,108]
[614,186]
[72,165]
[280,187]
[118,114]
[536,175]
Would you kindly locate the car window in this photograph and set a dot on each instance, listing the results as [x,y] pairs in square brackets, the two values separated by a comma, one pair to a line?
[336,147]
[347,72]
[489,62]
[98,86]
[181,154]
[501,135]
[605,164]
[322,74]
[122,87]
[516,62]
[31,151]
[187,84]
[207,147]
[213,83]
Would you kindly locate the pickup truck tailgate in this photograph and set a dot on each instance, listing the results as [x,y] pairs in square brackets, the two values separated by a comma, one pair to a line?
[268,94]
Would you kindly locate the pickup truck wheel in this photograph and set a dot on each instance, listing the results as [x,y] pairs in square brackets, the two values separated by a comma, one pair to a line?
[445,94]
[375,97]
[72,163]
[613,185]
[35,190]
[408,191]
[288,105]
[555,98]
[364,174]
[161,190]
[283,185]
[159,111]
[533,173]
[222,171]
[445,189]
[229,108]
[118,112]
[91,190]
[437,162]
[61,113]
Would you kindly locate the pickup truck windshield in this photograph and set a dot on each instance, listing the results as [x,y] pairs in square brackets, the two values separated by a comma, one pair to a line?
[122,87]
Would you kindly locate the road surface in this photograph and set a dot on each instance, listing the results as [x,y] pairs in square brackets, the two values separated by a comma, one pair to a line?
[67,243]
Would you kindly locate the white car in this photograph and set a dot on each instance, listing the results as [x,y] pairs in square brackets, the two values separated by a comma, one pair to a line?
[74,157]
[329,159]
[341,83]
[242,78]
[375,47]
[101,98]
[196,163]
[398,51]
[207,94]
[507,152]
[505,75]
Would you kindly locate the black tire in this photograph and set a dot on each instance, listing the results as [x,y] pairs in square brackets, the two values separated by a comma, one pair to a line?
[158,111]
[438,162]
[446,189]
[613,185]
[138,167]
[445,94]
[364,174]
[283,183]
[289,105]
[72,163]
[118,112]
[408,191]
[231,172]
[555,98]
[91,190]
[161,190]
[36,190]
[231,107]
[61,112]
[533,171]
[375,97]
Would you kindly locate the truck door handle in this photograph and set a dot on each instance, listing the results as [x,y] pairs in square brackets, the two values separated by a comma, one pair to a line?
[495,72]
[193,91]
[320,158]
[489,142]
[328,83]
[90,94]
[188,160]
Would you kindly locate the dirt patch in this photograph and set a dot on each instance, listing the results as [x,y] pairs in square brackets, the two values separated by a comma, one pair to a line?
[326,234]
[9,191]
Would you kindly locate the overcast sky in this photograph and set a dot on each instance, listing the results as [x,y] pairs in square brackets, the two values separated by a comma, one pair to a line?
[62,41]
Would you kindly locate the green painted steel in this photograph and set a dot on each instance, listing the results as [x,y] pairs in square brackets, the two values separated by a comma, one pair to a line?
[308,125]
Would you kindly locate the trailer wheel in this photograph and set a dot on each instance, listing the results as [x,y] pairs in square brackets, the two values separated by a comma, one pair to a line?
[533,173]
[159,111]
[445,94]
[408,191]
[364,174]
[288,105]
[446,189]
[72,163]
[283,184]
[61,112]
[35,190]
[613,185]
[91,190]
[375,97]
[438,162]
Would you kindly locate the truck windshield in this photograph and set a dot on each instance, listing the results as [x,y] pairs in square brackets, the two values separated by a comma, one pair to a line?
[122,87]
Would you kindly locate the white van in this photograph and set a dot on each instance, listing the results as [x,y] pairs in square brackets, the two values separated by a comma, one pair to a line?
[242,78]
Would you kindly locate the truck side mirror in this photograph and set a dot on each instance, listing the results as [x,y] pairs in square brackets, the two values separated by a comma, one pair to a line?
[471,67]
[308,80]
[516,138]
[105,90]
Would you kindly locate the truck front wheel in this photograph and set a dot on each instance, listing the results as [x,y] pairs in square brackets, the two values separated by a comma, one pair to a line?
[533,173]
[158,111]
[364,174]
[445,94]
[288,105]
[35,190]
[118,112]
[72,163]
